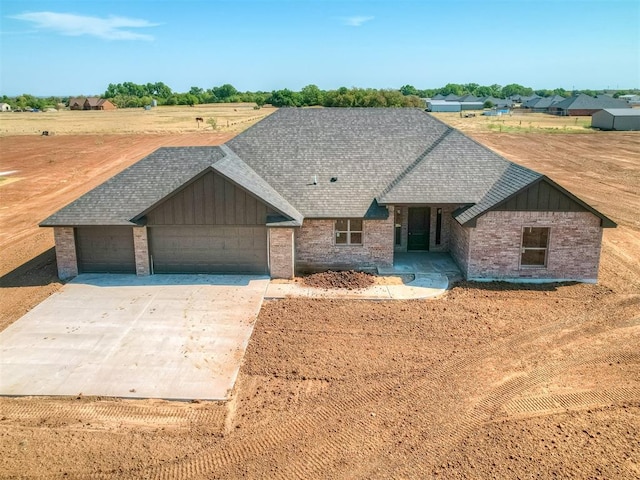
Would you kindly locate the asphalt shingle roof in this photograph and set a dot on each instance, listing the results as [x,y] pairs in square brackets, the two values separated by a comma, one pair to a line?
[363,149]
[138,187]
[320,163]
[585,102]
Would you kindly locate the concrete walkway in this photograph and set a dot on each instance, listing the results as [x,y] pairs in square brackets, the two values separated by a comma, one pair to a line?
[163,336]
[429,285]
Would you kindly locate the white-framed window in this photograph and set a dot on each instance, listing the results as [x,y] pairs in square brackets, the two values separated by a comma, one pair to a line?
[348,231]
[535,247]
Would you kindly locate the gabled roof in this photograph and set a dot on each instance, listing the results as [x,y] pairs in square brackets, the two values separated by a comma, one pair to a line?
[233,168]
[127,197]
[622,112]
[363,149]
[543,102]
[585,102]
[456,170]
[452,97]
[320,163]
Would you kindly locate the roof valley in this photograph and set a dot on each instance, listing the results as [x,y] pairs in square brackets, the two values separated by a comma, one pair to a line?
[416,162]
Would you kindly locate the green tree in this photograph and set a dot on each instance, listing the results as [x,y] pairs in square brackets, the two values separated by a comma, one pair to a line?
[224,92]
[515,89]
[311,95]
[285,98]
[408,90]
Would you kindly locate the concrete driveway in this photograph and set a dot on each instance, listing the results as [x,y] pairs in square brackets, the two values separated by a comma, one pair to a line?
[163,336]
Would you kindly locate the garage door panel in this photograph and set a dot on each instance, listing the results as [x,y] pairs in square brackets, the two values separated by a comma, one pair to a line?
[209,249]
[105,250]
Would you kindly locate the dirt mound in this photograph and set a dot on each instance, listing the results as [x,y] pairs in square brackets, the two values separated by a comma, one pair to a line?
[351,280]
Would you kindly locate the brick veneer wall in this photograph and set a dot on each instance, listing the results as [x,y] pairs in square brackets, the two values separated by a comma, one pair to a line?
[66,252]
[316,249]
[574,246]
[141,249]
[445,231]
[281,256]
[459,245]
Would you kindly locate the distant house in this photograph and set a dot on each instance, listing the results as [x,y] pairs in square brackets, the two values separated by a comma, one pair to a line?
[497,102]
[452,98]
[626,119]
[523,98]
[90,103]
[5,107]
[76,103]
[541,104]
[585,105]
[469,98]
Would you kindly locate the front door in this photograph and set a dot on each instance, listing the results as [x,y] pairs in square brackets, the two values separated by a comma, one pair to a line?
[418,228]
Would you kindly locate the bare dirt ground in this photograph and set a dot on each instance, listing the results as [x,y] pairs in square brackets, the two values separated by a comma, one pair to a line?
[490,381]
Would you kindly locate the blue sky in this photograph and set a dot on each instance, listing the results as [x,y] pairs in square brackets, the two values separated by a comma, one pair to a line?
[79,47]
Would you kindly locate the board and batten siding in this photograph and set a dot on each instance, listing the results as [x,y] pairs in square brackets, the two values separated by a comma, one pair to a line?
[210,200]
[541,197]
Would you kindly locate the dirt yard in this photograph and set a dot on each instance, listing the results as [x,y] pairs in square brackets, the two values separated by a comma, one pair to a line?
[490,381]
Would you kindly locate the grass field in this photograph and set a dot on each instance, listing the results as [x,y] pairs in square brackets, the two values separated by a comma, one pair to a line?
[517,122]
[230,117]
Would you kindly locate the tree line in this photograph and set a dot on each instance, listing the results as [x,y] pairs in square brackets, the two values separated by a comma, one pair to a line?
[131,95]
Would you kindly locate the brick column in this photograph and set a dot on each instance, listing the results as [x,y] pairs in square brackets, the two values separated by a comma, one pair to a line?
[141,248]
[281,256]
[65,252]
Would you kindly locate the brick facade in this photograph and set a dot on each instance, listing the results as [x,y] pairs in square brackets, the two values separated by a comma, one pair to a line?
[141,248]
[495,246]
[459,245]
[316,249]
[281,253]
[66,252]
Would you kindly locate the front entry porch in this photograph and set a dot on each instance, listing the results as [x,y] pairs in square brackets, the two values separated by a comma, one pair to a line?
[423,263]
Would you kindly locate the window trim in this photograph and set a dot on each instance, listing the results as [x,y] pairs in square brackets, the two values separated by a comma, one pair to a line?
[523,249]
[348,232]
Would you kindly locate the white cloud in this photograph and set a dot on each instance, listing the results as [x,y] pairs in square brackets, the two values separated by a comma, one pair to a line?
[356,21]
[110,28]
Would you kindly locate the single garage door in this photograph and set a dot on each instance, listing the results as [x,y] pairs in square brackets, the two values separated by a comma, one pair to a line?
[105,250]
[209,249]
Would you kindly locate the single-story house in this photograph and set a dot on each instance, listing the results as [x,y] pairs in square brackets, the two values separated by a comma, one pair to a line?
[332,188]
[90,103]
[627,119]
[498,102]
[541,104]
[5,107]
[585,105]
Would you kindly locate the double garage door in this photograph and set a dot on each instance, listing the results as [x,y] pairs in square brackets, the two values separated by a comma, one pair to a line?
[175,249]
[208,249]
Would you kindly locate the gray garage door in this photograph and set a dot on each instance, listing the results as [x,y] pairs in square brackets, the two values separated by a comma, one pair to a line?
[208,249]
[105,249]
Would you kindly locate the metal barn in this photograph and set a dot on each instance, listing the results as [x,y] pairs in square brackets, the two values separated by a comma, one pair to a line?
[443,106]
[616,119]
